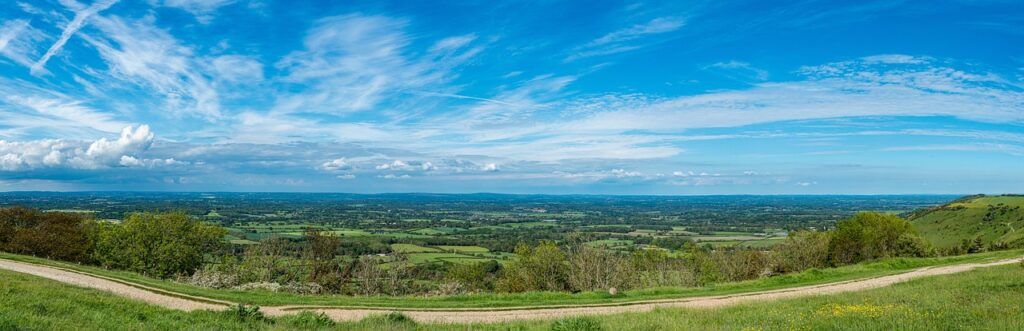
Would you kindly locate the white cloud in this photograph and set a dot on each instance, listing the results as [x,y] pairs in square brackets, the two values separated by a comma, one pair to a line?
[452,43]
[356,62]
[81,15]
[236,69]
[743,68]
[969,147]
[18,40]
[398,165]
[346,176]
[627,39]
[10,30]
[489,167]
[142,54]
[102,153]
[336,164]
[130,161]
[73,112]
[622,173]
[846,89]
[393,176]
[656,26]
[203,10]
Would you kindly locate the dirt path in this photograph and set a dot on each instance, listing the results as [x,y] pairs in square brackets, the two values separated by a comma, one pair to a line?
[188,303]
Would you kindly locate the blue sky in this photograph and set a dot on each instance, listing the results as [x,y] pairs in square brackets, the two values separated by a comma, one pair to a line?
[605,97]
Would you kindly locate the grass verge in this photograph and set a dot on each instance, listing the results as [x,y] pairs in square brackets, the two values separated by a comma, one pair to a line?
[981,299]
[531,299]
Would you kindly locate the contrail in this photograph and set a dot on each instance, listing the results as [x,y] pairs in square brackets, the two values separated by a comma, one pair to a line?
[70,29]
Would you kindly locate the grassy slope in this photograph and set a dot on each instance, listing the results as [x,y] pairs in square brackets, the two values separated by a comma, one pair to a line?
[497,301]
[946,226]
[984,299]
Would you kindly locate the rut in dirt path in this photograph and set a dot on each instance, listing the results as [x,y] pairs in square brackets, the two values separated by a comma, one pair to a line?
[189,303]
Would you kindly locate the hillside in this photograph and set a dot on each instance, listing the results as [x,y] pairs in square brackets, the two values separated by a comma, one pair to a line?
[995,220]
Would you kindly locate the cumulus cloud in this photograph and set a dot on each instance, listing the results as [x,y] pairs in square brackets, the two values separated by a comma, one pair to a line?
[396,165]
[489,167]
[336,164]
[102,153]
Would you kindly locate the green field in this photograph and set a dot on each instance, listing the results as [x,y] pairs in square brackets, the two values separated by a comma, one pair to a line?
[995,219]
[611,243]
[984,299]
[464,249]
[410,248]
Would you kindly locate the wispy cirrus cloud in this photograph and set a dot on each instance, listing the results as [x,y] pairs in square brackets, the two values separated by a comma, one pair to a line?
[741,70]
[357,62]
[17,41]
[834,90]
[203,10]
[627,39]
[143,55]
[82,14]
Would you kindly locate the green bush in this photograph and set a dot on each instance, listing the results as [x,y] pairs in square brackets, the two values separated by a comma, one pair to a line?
[541,268]
[157,244]
[245,313]
[871,235]
[389,321]
[803,250]
[579,323]
[53,235]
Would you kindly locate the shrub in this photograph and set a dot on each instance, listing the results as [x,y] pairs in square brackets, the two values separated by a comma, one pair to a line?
[803,250]
[374,279]
[742,264]
[540,268]
[247,313]
[591,269]
[474,276]
[213,279]
[389,321]
[61,236]
[270,262]
[579,323]
[654,268]
[871,235]
[157,244]
[307,320]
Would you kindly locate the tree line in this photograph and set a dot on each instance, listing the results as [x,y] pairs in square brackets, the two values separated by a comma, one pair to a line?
[175,245]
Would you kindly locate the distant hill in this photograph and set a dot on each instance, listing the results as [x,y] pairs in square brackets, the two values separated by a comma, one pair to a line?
[994,219]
